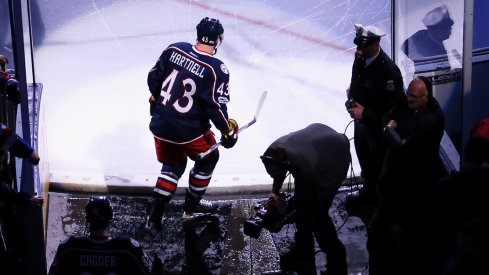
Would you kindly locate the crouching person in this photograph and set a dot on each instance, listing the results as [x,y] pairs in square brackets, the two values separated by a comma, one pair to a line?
[318,158]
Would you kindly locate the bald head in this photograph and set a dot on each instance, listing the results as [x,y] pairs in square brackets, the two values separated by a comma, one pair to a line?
[417,94]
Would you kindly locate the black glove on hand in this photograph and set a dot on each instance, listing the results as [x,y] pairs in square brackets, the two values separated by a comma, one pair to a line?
[229,139]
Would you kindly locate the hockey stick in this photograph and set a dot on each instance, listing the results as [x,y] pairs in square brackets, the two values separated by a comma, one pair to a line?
[242,128]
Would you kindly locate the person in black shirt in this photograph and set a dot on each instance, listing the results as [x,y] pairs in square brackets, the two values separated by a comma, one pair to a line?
[99,253]
[11,199]
[459,218]
[318,158]
[412,166]
[376,86]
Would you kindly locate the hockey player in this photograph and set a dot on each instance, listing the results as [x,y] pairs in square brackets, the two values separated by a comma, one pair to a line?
[318,158]
[189,88]
[98,253]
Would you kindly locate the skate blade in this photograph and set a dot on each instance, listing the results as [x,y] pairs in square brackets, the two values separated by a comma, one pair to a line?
[198,216]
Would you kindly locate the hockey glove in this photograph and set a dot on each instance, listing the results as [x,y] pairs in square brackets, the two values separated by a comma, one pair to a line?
[229,139]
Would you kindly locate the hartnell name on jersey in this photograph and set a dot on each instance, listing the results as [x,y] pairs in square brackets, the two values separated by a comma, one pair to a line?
[188,64]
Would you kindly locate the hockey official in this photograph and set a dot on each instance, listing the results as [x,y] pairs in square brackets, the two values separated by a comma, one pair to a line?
[375,88]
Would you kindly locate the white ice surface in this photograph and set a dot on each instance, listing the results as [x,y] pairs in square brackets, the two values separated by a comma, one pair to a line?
[96,54]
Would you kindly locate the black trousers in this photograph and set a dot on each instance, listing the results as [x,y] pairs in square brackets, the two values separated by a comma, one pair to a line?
[313,220]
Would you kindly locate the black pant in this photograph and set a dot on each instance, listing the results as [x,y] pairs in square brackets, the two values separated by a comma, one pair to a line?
[370,153]
[313,220]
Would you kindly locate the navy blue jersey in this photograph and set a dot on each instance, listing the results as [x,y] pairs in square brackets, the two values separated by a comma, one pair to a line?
[100,257]
[191,88]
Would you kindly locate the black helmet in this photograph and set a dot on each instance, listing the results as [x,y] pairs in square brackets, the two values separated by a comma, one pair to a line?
[98,211]
[208,30]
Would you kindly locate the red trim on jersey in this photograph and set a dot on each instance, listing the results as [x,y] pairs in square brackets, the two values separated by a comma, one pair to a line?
[201,52]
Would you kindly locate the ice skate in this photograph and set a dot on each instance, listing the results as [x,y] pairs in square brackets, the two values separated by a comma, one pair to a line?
[195,207]
[202,208]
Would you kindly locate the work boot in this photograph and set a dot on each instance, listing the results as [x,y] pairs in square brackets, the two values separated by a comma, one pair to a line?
[195,207]
[155,215]
[332,271]
[367,195]
[362,204]
[300,258]
[336,261]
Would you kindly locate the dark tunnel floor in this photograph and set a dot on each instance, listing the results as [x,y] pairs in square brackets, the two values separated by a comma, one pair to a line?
[214,245]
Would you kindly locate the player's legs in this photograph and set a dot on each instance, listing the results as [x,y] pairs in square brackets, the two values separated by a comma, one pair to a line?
[330,244]
[174,161]
[370,157]
[300,255]
[324,229]
[200,175]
